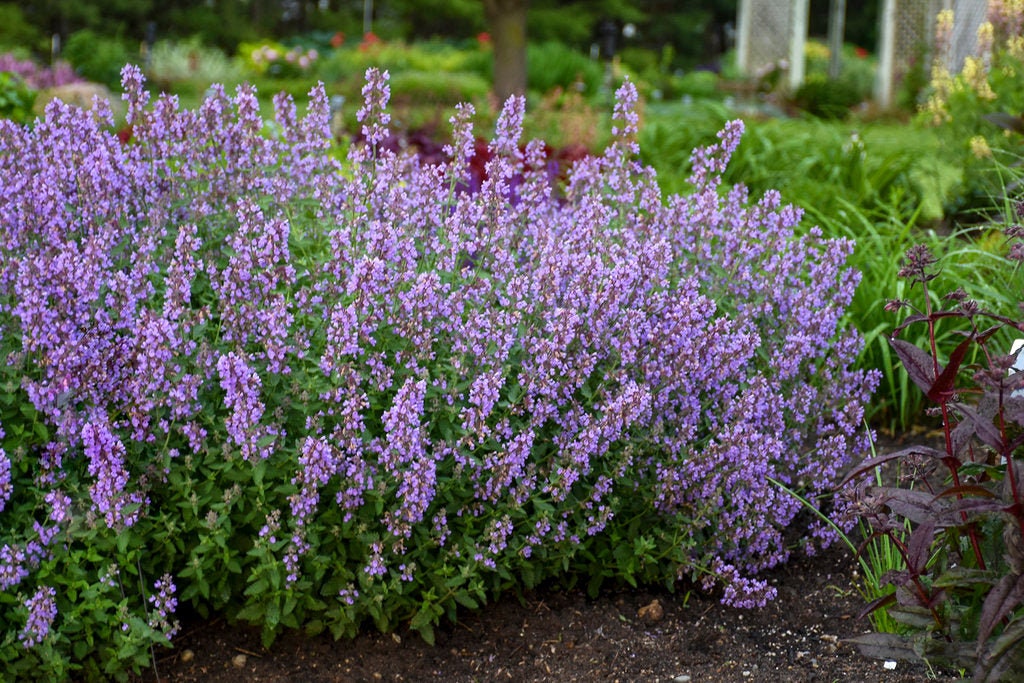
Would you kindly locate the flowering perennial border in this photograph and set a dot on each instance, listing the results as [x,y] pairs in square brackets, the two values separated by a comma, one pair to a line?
[244,376]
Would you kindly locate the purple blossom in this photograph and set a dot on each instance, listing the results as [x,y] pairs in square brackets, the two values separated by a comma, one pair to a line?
[164,603]
[109,492]
[375,566]
[348,595]
[740,591]
[6,486]
[373,114]
[12,566]
[250,286]
[39,77]
[60,507]
[406,452]
[42,610]
[242,396]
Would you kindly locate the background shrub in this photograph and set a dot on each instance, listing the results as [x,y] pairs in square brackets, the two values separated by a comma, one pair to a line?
[97,58]
[831,99]
[16,98]
[15,31]
[173,62]
[977,110]
[553,65]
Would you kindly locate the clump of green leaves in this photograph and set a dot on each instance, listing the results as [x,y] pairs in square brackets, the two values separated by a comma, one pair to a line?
[16,98]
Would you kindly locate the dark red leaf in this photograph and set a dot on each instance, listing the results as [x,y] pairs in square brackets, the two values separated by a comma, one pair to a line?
[954,514]
[1004,661]
[871,463]
[1013,407]
[919,507]
[986,431]
[918,364]
[919,547]
[1004,598]
[974,490]
[885,646]
[876,604]
[942,389]
[961,577]
[961,437]
[912,611]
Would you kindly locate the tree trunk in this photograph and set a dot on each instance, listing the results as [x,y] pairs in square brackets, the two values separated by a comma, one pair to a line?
[507,21]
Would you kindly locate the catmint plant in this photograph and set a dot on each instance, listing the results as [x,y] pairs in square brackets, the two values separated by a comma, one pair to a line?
[321,393]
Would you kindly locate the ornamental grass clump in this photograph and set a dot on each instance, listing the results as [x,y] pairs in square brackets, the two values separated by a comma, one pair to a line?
[245,378]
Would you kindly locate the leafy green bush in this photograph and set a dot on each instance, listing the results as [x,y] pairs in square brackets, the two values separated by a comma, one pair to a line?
[16,98]
[553,65]
[15,31]
[351,61]
[696,84]
[831,99]
[438,87]
[978,110]
[97,58]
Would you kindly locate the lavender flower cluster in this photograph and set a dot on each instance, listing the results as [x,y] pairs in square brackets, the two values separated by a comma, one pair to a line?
[404,371]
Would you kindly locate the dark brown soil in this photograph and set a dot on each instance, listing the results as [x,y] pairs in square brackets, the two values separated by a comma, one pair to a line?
[563,636]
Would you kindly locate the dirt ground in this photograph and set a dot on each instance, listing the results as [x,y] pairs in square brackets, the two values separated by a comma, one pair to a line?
[563,636]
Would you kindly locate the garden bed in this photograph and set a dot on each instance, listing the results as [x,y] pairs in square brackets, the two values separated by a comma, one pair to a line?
[563,636]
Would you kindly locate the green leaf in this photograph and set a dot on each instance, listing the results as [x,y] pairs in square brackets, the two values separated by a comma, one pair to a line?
[466,600]
[250,613]
[289,605]
[423,623]
[272,614]
[123,539]
[39,429]
[314,627]
[269,636]
[625,558]
[258,470]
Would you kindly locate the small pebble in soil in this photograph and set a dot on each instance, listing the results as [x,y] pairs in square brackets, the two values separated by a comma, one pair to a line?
[682,678]
[889,665]
[239,661]
[651,613]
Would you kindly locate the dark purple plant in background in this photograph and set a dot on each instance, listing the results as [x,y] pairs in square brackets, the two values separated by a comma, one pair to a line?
[39,77]
[957,516]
